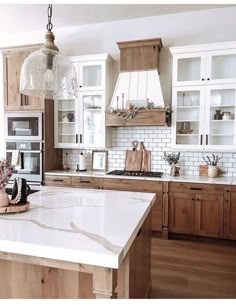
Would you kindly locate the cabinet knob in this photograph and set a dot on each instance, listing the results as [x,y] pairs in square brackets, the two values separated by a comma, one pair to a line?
[80,86]
[208,78]
[203,79]
[192,198]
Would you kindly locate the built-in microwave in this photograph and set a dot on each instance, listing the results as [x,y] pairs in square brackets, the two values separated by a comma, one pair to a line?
[23,126]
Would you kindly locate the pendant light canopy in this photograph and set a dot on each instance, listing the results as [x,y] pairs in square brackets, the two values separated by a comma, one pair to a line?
[46,73]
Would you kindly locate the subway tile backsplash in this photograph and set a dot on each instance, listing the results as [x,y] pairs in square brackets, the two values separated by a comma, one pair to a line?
[157,139]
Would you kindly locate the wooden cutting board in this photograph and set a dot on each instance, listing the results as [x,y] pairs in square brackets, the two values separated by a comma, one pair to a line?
[146,159]
[133,160]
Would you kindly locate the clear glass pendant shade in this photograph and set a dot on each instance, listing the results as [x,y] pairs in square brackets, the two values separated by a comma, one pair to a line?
[48,74]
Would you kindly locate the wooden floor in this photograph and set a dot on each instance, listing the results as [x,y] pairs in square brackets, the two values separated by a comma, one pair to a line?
[193,269]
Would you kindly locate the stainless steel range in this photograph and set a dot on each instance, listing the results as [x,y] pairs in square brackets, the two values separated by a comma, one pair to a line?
[136,173]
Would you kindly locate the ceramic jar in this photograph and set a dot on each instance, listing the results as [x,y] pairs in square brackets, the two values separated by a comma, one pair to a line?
[174,170]
[4,200]
[212,171]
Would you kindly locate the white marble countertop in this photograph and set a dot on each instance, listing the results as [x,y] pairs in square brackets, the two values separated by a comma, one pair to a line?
[181,178]
[95,227]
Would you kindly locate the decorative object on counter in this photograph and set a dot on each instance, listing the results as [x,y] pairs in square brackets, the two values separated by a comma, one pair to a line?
[46,73]
[212,165]
[82,162]
[5,174]
[172,159]
[65,163]
[218,115]
[71,117]
[226,116]
[20,191]
[99,160]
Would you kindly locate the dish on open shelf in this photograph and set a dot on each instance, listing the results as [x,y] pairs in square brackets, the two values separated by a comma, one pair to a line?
[185,131]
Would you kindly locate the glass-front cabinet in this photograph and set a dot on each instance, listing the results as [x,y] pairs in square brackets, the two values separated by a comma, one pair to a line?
[204,97]
[204,117]
[80,123]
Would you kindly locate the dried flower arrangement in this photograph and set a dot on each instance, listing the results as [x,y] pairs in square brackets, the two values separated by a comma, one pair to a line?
[213,162]
[172,158]
[5,173]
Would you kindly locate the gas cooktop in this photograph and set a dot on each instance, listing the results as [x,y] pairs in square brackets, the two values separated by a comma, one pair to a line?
[135,173]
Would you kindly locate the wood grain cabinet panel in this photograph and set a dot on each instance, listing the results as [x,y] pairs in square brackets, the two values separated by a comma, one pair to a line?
[141,186]
[196,209]
[87,182]
[12,63]
[54,180]
[181,213]
[209,215]
[230,212]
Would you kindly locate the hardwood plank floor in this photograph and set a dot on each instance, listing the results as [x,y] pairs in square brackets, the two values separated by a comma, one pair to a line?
[193,269]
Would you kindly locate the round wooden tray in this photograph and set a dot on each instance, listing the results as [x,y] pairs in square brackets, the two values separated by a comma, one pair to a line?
[15,208]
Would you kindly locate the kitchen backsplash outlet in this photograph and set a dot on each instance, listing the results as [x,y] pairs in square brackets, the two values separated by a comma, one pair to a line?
[157,139]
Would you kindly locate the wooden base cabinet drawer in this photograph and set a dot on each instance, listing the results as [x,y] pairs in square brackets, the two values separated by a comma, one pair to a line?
[86,182]
[132,185]
[193,188]
[58,180]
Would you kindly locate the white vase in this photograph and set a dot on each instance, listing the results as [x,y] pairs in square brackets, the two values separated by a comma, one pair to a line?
[4,200]
[212,171]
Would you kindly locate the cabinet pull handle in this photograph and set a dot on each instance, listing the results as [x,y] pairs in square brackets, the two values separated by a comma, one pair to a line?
[227,191]
[195,188]
[80,138]
[203,79]
[201,139]
[192,198]
[85,181]
[58,180]
[207,139]
[76,138]
[208,78]
[21,102]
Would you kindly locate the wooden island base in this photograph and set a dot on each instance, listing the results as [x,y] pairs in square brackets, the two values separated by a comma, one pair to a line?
[23,276]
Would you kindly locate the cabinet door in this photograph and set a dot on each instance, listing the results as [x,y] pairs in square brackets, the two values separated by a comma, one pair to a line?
[92,119]
[14,100]
[220,123]
[221,67]
[230,212]
[66,130]
[209,215]
[91,75]
[188,117]
[181,213]
[157,213]
[189,69]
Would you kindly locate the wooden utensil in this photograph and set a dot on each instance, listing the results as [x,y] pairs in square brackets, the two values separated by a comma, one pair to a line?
[146,158]
[133,158]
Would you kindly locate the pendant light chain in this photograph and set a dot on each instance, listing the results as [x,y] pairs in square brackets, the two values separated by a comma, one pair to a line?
[49,25]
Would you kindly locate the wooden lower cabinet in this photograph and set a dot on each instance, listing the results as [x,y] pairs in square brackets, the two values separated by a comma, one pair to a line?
[198,210]
[141,186]
[209,215]
[87,182]
[56,180]
[230,212]
[181,213]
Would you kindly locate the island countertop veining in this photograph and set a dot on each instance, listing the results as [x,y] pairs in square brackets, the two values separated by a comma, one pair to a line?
[95,227]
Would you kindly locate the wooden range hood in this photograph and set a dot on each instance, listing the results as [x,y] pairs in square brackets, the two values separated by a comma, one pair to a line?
[138,81]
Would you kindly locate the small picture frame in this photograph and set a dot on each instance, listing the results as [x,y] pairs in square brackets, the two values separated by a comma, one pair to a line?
[99,160]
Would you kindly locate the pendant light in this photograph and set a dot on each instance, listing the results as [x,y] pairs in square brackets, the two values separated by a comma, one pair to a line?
[46,73]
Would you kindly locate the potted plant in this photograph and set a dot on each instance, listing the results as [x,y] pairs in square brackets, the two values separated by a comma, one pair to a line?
[172,159]
[212,165]
[5,175]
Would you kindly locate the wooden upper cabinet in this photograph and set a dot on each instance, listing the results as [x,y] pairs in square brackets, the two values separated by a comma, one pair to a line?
[139,54]
[12,63]
[230,212]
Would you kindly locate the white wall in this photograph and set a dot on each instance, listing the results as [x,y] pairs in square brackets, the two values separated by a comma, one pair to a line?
[196,27]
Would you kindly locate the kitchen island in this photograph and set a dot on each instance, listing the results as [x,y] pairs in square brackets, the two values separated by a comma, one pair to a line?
[77,243]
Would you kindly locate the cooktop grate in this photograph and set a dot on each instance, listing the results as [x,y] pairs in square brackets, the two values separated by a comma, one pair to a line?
[135,173]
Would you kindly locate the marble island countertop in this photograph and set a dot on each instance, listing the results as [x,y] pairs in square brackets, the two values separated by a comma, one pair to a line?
[95,227]
[168,178]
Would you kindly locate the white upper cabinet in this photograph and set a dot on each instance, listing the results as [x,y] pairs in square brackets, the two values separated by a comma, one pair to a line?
[80,123]
[204,64]
[204,97]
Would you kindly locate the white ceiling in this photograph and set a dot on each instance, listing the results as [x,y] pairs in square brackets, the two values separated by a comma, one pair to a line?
[33,17]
